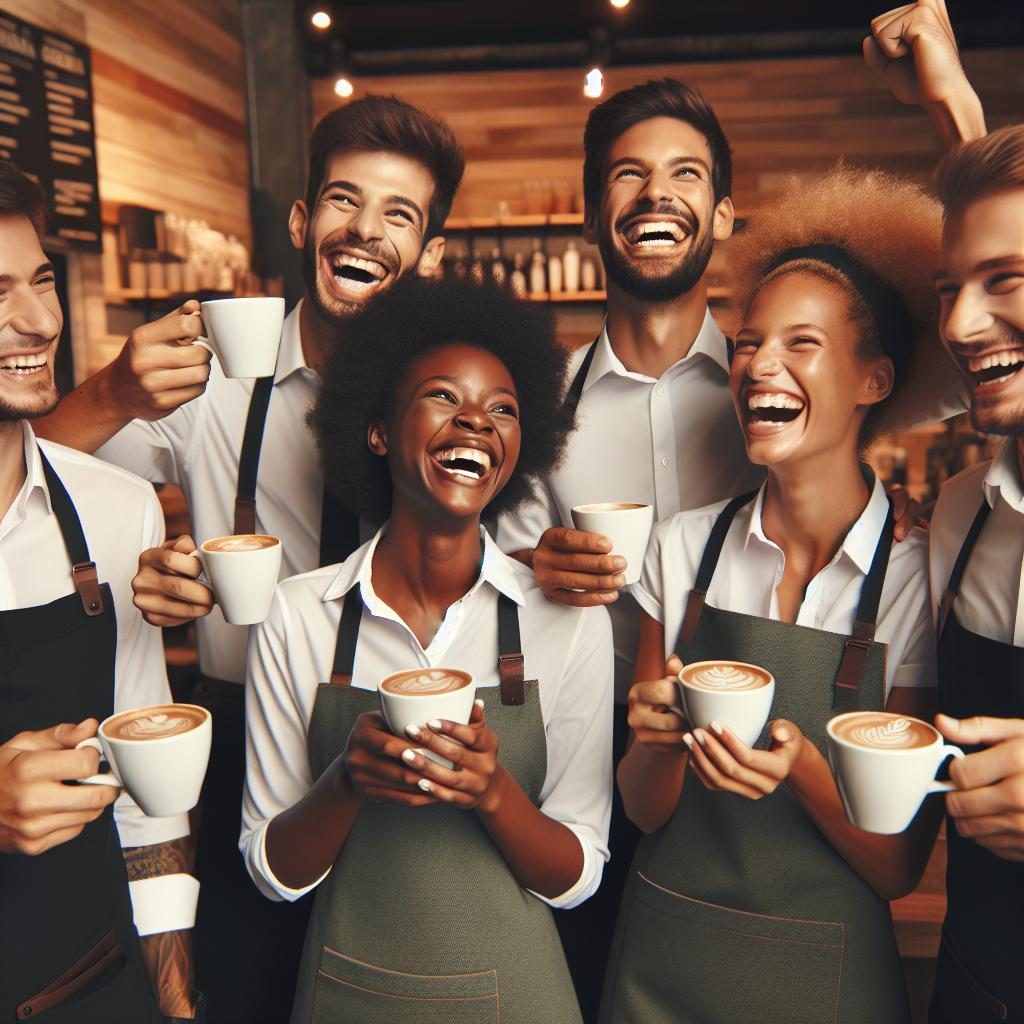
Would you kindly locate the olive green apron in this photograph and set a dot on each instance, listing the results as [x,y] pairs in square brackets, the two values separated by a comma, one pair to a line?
[741,910]
[421,919]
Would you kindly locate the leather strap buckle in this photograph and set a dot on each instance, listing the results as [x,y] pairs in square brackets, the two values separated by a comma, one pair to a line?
[511,671]
[851,668]
[87,584]
[694,606]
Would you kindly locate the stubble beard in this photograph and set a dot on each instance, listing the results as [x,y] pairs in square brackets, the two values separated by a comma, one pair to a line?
[678,281]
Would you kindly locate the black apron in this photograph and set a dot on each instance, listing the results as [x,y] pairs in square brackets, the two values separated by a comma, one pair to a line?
[980,971]
[421,921]
[235,923]
[741,910]
[69,952]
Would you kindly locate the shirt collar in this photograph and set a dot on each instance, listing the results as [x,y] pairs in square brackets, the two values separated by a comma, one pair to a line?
[860,542]
[496,569]
[289,356]
[710,342]
[1003,478]
[34,466]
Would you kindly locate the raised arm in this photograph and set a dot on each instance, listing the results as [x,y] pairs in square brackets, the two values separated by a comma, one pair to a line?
[913,50]
[157,370]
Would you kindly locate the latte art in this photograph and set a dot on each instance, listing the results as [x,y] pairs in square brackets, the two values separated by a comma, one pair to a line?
[724,675]
[240,542]
[154,723]
[425,682]
[881,731]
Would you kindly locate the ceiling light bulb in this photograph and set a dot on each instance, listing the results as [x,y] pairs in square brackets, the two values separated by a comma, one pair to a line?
[344,88]
[593,84]
[321,19]
[620,3]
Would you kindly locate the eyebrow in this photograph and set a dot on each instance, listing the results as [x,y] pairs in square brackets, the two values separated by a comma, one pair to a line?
[43,268]
[995,263]
[393,200]
[452,380]
[674,162]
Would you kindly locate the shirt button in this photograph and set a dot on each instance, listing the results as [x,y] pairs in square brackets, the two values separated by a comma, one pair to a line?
[659,391]
[664,461]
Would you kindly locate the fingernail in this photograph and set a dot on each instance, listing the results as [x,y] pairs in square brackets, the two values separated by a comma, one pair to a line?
[619,581]
[479,703]
[424,785]
[700,737]
[435,724]
[619,562]
[688,740]
[717,727]
[409,755]
[413,731]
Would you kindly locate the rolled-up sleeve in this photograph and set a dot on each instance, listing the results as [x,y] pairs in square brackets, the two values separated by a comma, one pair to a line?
[277,772]
[578,788]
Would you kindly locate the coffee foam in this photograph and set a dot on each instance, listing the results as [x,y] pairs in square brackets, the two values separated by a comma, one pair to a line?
[725,676]
[154,723]
[426,682]
[241,542]
[885,732]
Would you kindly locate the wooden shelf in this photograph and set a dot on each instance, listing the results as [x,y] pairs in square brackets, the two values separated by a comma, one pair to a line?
[517,220]
[133,296]
[716,294]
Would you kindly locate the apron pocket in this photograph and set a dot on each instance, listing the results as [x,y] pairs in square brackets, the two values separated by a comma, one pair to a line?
[349,990]
[694,961]
[958,996]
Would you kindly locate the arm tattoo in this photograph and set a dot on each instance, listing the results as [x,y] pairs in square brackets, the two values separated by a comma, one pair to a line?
[168,955]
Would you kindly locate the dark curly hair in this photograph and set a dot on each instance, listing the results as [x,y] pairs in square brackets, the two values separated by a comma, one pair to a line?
[414,316]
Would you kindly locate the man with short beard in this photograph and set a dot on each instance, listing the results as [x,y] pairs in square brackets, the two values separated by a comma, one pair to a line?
[382,176]
[655,421]
[80,876]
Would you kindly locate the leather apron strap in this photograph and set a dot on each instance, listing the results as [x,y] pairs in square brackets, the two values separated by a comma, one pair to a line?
[511,667]
[960,565]
[83,568]
[575,392]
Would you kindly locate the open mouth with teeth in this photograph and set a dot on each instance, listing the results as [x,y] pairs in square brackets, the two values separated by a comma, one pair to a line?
[355,276]
[23,366]
[772,410]
[994,369]
[464,463]
[662,234]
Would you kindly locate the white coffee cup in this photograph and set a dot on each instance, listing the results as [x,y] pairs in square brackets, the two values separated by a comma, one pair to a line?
[244,334]
[883,787]
[162,771]
[400,710]
[242,578]
[744,708]
[626,524]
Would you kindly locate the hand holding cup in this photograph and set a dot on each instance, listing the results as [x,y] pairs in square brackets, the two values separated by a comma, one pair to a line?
[654,715]
[577,568]
[167,588]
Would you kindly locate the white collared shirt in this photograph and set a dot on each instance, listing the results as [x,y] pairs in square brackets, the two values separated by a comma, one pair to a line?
[991,598]
[673,442]
[198,447]
[751,567]
[568,650]
[120,517]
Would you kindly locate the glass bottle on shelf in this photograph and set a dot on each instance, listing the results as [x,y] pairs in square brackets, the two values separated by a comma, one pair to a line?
[588,274]
[477,270]
[571,267]
[555,275]
[518,276]
[498,268]
[538,270]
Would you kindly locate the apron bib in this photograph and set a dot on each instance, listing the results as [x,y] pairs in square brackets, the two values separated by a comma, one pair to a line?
[421,921]
[978,976]
[69,951]
[742,910]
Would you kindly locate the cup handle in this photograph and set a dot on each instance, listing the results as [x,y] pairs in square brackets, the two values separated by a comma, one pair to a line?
[104,778]
[939,786]
[204,342]
[202,577]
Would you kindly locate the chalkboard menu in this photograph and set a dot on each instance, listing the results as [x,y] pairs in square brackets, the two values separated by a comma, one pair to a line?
[46,125]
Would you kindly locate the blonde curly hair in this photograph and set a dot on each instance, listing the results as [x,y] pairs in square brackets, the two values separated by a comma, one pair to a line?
[892,227]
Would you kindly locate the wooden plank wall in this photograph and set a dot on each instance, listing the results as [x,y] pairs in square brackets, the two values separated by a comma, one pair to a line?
[781,115]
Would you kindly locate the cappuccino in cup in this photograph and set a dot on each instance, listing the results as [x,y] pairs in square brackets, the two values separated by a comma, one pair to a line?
[884,765]
[242,570]
[415,696]
[731,693]
[158,754]
[244,334]
[626,524]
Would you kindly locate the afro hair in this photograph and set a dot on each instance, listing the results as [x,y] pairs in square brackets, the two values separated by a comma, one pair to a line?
[892,227]
[416,316]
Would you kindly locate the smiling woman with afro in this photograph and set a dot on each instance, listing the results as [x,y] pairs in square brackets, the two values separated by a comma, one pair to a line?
[413,317]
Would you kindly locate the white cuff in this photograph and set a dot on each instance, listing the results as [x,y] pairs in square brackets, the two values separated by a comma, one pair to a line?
[646,601]
[586,885]
[278,890]
[166,903]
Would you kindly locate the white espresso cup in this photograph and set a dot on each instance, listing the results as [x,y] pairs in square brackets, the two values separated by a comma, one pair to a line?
[158,754]
[417,695]
[884,765]
[244,334]
[626,524]
[731,693]
[242,570]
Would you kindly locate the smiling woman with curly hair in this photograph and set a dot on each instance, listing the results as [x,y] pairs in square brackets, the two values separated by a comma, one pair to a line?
[754,856]
[427,847]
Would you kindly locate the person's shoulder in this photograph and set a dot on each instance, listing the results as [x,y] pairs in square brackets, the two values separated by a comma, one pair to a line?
[911,554]
[91,480]
[959,499]
[567,617]
[689,526]
[306,586]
